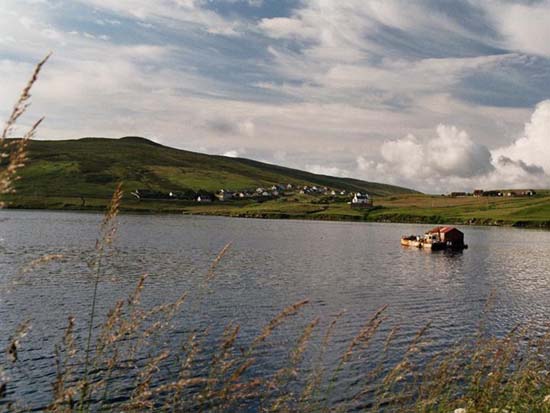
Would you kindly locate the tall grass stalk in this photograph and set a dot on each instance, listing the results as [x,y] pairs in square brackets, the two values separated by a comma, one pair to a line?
[106,237]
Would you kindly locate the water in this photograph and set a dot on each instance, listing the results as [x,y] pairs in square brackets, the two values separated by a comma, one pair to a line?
[356,267]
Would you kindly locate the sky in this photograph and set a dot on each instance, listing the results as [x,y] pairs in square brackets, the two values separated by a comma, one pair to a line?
[437,95]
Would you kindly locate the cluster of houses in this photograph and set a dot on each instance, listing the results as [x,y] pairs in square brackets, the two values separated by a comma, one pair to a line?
[321,190]
[260,193]
[273,191]
[495,193]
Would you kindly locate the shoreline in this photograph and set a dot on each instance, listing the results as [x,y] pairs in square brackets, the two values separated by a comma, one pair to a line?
[384,215]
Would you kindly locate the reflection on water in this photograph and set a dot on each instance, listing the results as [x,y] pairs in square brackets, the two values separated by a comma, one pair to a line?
[351,266]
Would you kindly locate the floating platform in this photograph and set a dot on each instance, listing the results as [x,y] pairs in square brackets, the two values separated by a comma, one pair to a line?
[436,239]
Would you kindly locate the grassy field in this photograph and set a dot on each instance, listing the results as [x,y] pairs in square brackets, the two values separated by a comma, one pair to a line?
[531,212]
[418,208]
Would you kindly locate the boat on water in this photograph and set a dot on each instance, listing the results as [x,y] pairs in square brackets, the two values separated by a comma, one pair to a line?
[436,239]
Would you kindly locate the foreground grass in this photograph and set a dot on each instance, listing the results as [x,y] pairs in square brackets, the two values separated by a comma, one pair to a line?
[531,212]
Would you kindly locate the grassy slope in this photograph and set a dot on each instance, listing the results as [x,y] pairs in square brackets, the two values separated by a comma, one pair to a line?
[418,208]
[60,172]
[91,167]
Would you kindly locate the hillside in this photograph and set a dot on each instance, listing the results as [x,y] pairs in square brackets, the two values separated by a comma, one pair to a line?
[91,167]
[81,174]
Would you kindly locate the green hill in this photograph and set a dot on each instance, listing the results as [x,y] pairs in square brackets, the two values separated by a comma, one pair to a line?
[91,167]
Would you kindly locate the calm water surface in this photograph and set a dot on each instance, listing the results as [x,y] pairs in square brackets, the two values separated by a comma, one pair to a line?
[353,266]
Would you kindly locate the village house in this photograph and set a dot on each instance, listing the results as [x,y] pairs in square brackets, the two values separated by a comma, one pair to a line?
[204,198]
[507,193]
[360,200]
[521,192]
[492,193]
[224,195]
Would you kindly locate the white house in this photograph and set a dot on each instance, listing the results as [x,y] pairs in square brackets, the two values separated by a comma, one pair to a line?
[204,198]
[361,200]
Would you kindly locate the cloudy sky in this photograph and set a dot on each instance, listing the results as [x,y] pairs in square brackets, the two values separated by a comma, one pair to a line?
[438,95]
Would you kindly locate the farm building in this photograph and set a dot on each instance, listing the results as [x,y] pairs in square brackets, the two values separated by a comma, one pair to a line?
[521,192]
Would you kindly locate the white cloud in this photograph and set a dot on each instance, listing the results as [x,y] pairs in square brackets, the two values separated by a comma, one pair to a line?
[533,148]
[234,153]
[525,27]
[454,153]
[451,153]
[284,27]
[452,160]
[171,13]
[327,170]
[340,55]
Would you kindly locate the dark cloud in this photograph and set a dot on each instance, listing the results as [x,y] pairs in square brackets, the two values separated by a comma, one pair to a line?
[530,169]
[223,126]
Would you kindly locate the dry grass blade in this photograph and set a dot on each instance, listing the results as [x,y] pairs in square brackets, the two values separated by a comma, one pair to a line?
[63,392]
[278,320]
[38,262]
[3,384]
[16,150]
[365,334]
[212,271]
[107,233]
[298,352]
[289,373]
[313,384]
[15,342]
[23,102]
[362,338]
[109,225]
[141,398]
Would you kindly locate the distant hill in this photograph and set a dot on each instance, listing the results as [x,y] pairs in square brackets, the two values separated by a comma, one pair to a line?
[91,167]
